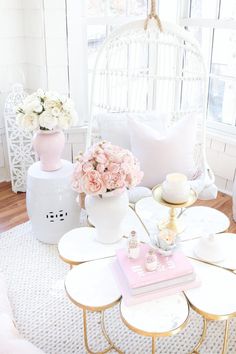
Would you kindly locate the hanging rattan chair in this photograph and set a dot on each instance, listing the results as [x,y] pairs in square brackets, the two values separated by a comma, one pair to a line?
[147,65]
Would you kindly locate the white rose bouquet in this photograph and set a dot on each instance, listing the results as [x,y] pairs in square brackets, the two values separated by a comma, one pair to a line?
[46,111]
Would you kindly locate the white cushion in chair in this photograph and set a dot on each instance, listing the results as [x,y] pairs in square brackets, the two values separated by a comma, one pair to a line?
[160,154]
[113,127]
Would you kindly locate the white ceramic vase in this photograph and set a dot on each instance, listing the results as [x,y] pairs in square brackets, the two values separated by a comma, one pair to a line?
[106,213]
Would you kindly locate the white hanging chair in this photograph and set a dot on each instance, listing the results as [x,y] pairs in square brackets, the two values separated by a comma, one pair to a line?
[158,68]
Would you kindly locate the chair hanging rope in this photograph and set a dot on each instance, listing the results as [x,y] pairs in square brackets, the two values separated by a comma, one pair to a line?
[153,14]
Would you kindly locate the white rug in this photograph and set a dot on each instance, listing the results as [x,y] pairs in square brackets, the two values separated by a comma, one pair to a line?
[46,317]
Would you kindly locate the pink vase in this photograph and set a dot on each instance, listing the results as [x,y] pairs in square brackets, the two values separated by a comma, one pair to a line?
[49,146]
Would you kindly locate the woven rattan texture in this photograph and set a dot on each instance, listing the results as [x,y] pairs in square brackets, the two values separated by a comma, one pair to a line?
[45,316]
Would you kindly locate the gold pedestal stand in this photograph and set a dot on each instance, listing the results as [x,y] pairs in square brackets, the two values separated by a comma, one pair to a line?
[174,223]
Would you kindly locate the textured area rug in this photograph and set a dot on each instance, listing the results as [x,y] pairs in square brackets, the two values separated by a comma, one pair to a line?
[46,317]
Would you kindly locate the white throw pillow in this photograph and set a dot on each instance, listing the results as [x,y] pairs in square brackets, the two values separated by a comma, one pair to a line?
[160,154]
[113,127]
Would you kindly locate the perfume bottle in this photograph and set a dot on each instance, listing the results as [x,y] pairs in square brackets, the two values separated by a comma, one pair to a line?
[133,245]
[151,260]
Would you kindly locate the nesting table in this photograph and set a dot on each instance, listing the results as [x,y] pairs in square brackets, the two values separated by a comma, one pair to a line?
[91,286]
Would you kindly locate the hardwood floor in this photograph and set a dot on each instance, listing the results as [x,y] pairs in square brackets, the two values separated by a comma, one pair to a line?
[13,207]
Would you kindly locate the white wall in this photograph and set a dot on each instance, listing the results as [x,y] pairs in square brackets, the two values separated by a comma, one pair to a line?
[34,45]
[12,61]
[22,58]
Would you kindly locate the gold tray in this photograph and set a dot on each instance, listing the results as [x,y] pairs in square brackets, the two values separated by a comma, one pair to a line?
[157,195]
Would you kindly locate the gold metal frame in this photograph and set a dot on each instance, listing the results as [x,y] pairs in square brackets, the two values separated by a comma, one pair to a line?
[209,317]
[202,338]
[104,332]
[155,335]
[68,261]
[213,264]
[174,222]
[100,309]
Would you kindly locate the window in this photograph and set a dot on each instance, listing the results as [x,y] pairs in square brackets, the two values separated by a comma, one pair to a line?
[103,17]
[213,22]
[96,20]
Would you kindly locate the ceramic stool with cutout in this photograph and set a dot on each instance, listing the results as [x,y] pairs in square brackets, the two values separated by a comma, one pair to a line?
[51,202]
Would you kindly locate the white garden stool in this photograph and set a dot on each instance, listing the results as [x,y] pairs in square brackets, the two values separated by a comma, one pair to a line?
[51,202]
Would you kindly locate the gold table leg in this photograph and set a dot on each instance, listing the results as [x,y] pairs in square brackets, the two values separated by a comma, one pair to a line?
[203,336]
[111,344]
[226,334]
[153,345]
[107,336]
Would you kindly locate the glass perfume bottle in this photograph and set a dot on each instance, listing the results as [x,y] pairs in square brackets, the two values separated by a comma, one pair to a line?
[133,245]
[151,260]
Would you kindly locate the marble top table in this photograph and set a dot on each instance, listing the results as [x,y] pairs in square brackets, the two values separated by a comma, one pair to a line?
[227,243]
[79,245]
[198,219]
[215,299]
[91,285]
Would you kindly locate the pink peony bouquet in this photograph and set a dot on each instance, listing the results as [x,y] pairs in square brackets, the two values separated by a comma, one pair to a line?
[106,168]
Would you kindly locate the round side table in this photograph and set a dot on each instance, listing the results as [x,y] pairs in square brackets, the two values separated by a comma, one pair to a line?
[158,318]
[80,245]
[215,299]
[51,202]
[92,287]
[197,219]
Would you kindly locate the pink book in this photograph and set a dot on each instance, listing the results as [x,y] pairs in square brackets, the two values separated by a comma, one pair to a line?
[171,267]
[137,299]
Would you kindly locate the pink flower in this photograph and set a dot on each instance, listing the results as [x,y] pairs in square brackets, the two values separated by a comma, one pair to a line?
[101,167]
[113,167]
[127,168]
[101,158]
[133,179]
[116,158]
[106,168]
[93,183]
[76,184]
[113,180]
[87,167]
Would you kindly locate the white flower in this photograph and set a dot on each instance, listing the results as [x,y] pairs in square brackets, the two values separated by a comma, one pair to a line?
[66,120]
[40,93]
[48,121]
[55,111]
[28,121]
[46,110]
[34,105]
[50,104]
[38,108]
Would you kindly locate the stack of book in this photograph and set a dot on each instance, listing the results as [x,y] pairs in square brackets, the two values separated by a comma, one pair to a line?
[174,274]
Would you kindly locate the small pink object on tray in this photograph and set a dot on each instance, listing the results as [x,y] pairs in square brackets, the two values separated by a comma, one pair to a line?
[173,274]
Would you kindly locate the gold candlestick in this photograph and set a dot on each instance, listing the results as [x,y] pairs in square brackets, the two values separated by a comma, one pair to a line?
[174,222]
